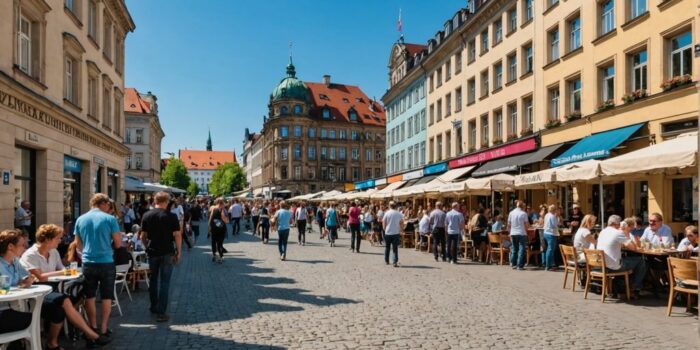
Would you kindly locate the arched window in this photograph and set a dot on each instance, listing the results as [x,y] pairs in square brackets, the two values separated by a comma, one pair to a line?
[353,115]
[297,109]
[284,110]
[326,113]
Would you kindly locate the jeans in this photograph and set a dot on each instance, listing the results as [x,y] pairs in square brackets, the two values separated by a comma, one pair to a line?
[517,250]
[301,226]
[282,241]
[452,246]
[393,241]
[639,270]
[265,226]
[439,240]
[332,233]
[217,243]
[161,270]
[355,237]
[256,220]
[550,253]
[236,222]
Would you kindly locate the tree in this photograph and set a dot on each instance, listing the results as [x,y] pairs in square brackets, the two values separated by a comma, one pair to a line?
[175,174]
[192,189]
[227,178]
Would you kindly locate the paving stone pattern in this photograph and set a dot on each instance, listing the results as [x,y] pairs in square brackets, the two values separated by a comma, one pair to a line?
[330,298]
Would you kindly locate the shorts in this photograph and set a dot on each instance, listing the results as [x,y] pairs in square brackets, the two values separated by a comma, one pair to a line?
[52,307]
[477,238]
[100,275]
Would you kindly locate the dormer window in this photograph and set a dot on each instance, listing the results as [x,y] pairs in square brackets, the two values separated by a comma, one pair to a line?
[297,109]
[353,115]
[284,110]
[323,96]
[359,100]
[326,113]
[346,100]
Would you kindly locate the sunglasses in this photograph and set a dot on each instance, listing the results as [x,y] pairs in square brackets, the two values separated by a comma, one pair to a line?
[653,221]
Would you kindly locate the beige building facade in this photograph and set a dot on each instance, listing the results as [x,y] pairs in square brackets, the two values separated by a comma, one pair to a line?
[61,115]
[143,135]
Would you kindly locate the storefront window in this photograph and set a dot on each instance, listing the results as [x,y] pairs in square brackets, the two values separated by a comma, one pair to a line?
[112,184]
[97,180]
[72,169]
[613,201]
[640,200]
[683,200]
[24,172]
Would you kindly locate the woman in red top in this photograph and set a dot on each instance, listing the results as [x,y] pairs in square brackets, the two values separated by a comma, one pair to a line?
[354,222]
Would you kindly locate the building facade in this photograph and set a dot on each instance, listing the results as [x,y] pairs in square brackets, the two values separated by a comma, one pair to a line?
[61,115]
[405,103]
[320,136]
[143,135]
[252,161]
[202,164]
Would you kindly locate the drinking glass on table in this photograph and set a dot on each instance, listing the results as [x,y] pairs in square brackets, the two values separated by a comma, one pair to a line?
[4,284]
[74,269]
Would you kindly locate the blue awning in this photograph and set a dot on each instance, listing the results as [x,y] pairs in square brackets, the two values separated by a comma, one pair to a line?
[595,146]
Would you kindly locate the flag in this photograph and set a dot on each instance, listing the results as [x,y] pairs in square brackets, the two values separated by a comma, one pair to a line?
[399,24]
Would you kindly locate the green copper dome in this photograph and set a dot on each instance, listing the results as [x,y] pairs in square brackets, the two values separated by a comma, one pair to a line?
[290,87]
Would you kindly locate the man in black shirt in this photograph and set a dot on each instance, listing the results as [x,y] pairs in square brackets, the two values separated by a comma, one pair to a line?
[195,215]
[575,219]
[161,229]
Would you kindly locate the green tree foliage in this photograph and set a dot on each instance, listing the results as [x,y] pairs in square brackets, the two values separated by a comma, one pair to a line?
[175,174]
[227,178]
[192,189]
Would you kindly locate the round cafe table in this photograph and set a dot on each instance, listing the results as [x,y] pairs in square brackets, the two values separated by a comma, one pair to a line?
[21,298]
[62,279]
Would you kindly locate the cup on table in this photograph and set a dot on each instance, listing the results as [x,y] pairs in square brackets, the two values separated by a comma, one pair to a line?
[4,284]
[74,269]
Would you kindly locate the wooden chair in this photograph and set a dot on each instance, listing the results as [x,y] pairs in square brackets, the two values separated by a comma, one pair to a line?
[537,253]
[495,246]
[595,270]
[685,271]
[568,254]
[468,247]
[407,239]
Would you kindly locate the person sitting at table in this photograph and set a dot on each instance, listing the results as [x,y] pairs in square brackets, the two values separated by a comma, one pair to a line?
[583,238]
[638,229]
[74,254]
[611,240]
[42,261]
[690,242]
[575,218]
[12,244]
[498,224]
[657,233]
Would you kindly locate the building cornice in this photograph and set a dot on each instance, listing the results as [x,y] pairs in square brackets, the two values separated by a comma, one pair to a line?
[118,8]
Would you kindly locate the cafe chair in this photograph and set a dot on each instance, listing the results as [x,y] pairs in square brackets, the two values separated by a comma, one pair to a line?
[31,333]
[596,270]
[122,271]
[568,254]
[495,246]
[141,269]
[529,252]
[683,274]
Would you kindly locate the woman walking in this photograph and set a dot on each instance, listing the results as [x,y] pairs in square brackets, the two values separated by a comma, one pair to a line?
[265,222]
[255,214]
[217,229]
[282,220]
[301,216]
[354,223]
[332,224]
[551,238]
[321,219]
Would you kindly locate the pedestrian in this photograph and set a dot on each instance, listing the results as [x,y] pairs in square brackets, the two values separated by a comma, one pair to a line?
[236,212]
[423,229]
[265,222]
[455,225]
[437,225]
[551,237]
[518,224]
[217,229]
[354,223]
[367,220]
[301,216]
[23,219]
[332,224]
[195,218]
[393,224]
[321,219]
[97,233]
[282,220]
[478,231]
[129,217]
[163,237]
[255,214]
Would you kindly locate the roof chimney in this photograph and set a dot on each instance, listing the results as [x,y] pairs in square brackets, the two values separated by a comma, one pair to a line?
[327,80]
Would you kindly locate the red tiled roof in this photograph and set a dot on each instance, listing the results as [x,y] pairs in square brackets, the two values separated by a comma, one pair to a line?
[205,160]
[413,49]
[133,103]
[340,99]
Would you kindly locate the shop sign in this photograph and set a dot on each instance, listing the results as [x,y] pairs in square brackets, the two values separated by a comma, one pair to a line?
[31,137]
[395,178]
[72,164]
[435,169]
[5,177]
[508,150]
[364,184]
[413,175]
[349,186]
[381,181]
[98,160]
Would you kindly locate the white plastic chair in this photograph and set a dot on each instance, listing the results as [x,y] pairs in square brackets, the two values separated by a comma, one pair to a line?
[29,332]
[142,269]
[122,271]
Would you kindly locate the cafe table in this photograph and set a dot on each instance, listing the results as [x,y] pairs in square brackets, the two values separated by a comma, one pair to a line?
[63,279]
[21,298]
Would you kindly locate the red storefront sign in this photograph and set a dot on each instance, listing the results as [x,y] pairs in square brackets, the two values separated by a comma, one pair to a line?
[512,149]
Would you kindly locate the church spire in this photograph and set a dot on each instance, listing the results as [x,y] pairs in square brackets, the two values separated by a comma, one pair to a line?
[209,141]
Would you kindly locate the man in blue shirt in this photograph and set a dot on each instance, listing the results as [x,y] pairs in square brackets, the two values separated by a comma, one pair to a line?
[454,221]
[97,234]
[282,219]
[437,225]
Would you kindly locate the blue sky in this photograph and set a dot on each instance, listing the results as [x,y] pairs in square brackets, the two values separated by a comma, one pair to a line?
[213,63]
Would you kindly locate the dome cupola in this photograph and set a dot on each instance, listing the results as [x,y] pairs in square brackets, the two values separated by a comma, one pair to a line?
[290,87]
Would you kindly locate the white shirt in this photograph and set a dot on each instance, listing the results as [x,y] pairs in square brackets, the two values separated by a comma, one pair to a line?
[662,235]
[380,215]
[611,241]
[517,220]
[301,213]
[178,211]
[20,214]
[686,245]
[455,222]
[424,224]
[367,218]
[32,259]
[580,241]
[129,217]
[551,224]
[392,222]
[236,210]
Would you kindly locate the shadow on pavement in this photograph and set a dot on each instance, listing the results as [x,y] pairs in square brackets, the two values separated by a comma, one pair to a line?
[311,261]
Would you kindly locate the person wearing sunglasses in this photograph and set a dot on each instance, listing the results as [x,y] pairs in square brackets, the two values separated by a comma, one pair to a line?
[658,233]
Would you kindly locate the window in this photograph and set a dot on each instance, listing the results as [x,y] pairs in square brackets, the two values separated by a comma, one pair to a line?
[438,76]
[528,116]
[312,133]
[107,37]
[554,103]
[297,130]
[24,46]
[368,173]
[574,34]
[353,115]
[484,41]
[331,134]
[551,3]
[324,134]
[92,96]
[528,11]
[422,152]
[284,110]
[324,153]
[377,172]
[527,59]
[368,154]
[448,70]
[342,134]
[513,119]
[341,174]
[354,135]
[297,109]
[432,150]
[512,20]
[284,132]
[355,153]
[92,19]
[107,107]
[484,83]
[448,105]
[607,16]
[355,173]
[311,152]
[432,114]
[438,149]
[575,96]
[439,110]
[139,135]
[497,31]
[639,70]
[409,123]
[458,139]
[284,153]
[471,91]
[497,76]
[139,160]
[331,153]
[423,124]
[448,144]
[608,84]
[458,99]
[554,45]
[326,113]
[682,200]
[118,115]
[297,172]
[297,152]
[458,63]
[498,125]
[71,81]
[512,67]
[485,130]
[637,8]
[681,54]
[471,53]
[283,172]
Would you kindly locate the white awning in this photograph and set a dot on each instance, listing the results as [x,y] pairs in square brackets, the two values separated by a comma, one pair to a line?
[450,175]
[538,179]
[484,185]
[579,172]
[387,191]
[361,194]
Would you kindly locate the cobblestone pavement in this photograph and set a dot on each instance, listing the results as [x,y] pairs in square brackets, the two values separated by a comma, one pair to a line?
[329,298]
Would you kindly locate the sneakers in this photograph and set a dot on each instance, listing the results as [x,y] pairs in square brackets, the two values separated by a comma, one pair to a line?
[97,343]
[396,264]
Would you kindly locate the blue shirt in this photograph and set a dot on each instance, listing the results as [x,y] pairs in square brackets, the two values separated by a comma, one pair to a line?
[95,229]
[15,270]
[331,218]
[497,226]
[437,219]
[551,224]
[455,222]
[282,217]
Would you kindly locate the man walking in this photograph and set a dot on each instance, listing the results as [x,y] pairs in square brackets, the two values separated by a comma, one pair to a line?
[97,232]
[518,224]
[161,229]
[129,217]
[455,225]
[236,213]
[437,225]
[393,224]
[354,222]
[301,216]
